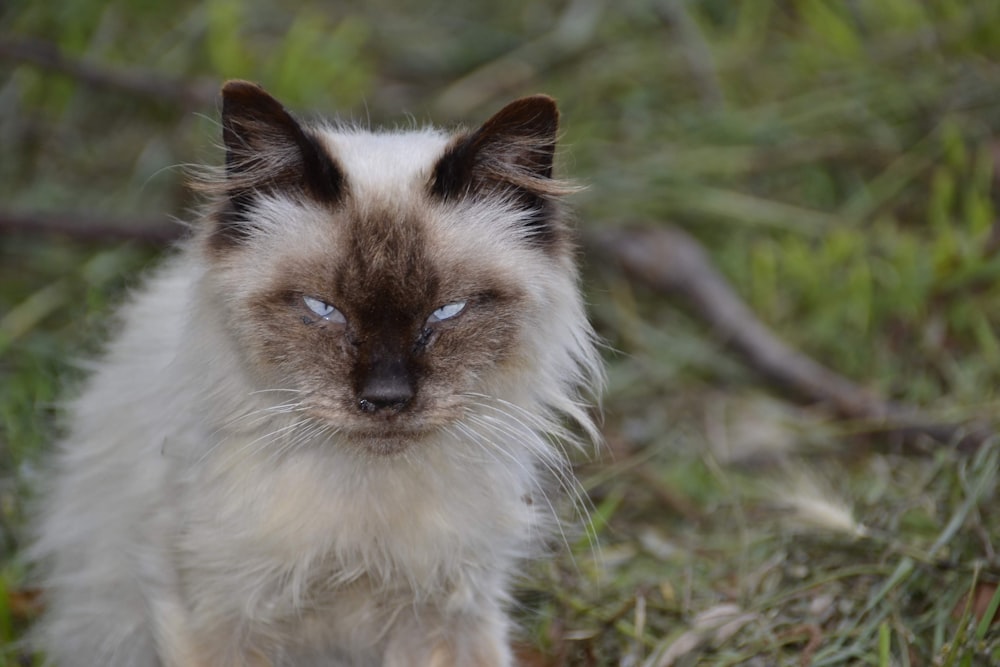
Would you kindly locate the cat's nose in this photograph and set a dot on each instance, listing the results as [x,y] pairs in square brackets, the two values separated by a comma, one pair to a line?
[388,388]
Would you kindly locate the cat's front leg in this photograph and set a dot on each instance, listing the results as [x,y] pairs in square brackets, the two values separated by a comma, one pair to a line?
[478,638]
[176,645]
[179,644]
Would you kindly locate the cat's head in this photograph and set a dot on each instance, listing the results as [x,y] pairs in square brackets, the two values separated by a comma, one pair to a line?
[397,282]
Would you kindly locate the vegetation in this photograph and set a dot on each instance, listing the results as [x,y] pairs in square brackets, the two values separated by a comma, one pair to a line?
[838,160]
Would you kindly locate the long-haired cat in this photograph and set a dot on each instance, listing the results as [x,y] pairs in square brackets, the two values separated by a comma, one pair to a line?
[323,432]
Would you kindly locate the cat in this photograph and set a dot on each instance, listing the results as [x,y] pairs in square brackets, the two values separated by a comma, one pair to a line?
[326,429]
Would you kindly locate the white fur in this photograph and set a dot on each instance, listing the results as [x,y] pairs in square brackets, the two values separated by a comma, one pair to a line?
[192,520]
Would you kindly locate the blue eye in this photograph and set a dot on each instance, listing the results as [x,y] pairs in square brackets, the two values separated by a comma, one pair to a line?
[446,312]
[324,310]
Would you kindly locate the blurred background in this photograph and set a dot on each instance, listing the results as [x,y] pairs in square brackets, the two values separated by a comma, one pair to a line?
[834,162]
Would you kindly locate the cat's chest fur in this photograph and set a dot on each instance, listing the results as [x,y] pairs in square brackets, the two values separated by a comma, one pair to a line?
[414,522]
[330,553]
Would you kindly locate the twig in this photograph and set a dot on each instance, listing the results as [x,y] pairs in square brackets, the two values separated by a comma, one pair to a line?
[98,229]
[135,81]
[670,261]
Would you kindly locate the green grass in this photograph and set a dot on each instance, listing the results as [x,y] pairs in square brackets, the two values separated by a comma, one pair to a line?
[837,159]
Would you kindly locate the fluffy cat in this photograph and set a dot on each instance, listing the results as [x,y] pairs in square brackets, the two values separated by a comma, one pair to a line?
[323,433]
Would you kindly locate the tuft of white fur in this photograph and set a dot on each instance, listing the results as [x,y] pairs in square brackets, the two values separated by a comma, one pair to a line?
[196,517]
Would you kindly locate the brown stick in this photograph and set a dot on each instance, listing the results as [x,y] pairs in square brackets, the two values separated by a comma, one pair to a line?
[97,229]
[197,95]
[670,261]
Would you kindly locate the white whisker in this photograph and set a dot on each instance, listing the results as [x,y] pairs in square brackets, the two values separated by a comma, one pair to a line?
[546,440]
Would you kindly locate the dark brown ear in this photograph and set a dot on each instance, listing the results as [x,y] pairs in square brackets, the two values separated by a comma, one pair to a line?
[267,150]
[513,149]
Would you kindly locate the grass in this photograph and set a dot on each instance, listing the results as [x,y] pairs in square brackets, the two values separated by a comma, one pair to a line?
[837,159]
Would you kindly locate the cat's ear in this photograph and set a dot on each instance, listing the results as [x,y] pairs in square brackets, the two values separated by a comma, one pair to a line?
[267,151]
[512,151]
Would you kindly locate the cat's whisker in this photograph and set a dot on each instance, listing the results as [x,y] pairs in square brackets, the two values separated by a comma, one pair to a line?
[245,421]
[542,422]
[254,418]
[489,445]
[540,439]
[555,464]
[276,389]
[250,448]
[286,442]
[312,432]
[555,434]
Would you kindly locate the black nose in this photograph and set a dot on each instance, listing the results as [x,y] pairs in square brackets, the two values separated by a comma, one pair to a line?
[387,388]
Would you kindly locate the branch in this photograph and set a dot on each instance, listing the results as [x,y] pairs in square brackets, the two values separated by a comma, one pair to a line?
[98,229]
[673,263]
[135,81]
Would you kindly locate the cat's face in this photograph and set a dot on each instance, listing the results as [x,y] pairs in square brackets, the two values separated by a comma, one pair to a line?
[390,281]
[384,334]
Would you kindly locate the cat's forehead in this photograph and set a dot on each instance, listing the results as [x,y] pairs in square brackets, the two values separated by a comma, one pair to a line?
[384,163]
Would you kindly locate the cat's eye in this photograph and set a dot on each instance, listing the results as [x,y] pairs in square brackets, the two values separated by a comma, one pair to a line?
[446,312]
[324,310]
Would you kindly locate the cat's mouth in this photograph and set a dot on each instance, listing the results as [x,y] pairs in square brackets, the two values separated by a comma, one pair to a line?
[387,439]
[380,433]
[386,443]
[385,432]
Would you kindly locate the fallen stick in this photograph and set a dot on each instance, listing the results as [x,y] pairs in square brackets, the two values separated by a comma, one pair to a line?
[671,262]
[156,231]
[200,94]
